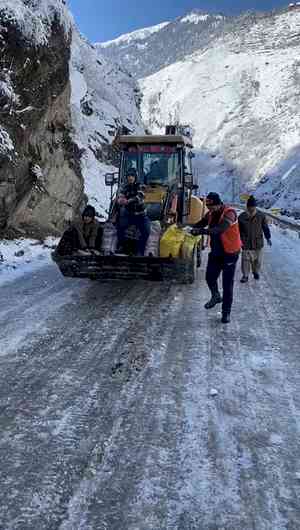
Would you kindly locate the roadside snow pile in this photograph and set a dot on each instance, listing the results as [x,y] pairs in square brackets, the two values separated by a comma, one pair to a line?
[103,98]
[22,255]
[289,233]
[6,145]
[34,18]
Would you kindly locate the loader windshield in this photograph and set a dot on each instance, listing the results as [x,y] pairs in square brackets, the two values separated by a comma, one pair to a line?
[155,165]
[160,168]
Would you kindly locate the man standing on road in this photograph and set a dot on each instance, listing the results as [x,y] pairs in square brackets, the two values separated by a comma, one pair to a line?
[253,227]
[223,230]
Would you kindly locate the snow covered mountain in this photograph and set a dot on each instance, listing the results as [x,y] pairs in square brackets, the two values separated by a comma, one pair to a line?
[144,52]
[60,106]
[236,81]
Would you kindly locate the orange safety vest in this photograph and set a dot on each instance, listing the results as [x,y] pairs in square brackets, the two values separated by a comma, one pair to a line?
[231,239]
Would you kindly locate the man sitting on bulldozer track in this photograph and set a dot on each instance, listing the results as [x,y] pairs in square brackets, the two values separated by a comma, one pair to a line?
[132,212]
[83,236]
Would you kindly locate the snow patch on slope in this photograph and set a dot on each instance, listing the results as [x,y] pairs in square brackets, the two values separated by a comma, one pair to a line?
[6,145]
[140,34]
[196,18]
[280,186]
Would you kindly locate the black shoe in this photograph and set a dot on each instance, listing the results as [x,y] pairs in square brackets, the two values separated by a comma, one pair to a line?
[256,276]
[244,279]
[215,299]
[225,318]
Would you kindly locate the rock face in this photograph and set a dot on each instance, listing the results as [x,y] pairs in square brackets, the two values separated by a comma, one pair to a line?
[40,173]
[60,107]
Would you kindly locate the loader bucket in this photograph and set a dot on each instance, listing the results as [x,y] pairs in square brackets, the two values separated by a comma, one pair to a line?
[119,267]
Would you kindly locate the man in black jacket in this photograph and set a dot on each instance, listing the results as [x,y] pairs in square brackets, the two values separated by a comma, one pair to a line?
[132,211]
[253,228]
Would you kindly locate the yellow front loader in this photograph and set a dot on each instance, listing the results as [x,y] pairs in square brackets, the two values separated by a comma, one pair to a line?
[163,164]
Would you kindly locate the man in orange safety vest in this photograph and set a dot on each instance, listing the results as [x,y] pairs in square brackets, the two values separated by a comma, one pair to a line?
[225,242]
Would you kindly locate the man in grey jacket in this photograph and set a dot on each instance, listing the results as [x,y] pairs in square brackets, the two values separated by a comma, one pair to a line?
[253,228]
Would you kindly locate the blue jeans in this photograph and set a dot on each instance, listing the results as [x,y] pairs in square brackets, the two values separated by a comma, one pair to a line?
[141,222]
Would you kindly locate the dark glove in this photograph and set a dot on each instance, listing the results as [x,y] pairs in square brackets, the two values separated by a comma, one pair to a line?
[199,231]
[132,200]
[269,242]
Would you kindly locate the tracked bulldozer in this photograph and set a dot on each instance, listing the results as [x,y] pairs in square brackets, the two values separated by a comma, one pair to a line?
[163,164]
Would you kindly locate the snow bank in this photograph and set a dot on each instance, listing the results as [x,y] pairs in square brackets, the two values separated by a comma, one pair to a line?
[20,256]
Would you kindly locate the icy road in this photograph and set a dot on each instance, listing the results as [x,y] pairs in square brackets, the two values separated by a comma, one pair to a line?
[129,407]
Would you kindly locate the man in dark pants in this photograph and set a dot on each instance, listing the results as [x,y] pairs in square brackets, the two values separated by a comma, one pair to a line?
[223,229]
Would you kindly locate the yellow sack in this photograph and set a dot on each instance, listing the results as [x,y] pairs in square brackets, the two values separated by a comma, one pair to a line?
[189,244]
[171,242]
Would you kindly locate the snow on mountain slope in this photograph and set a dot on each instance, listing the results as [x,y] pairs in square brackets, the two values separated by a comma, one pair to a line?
[103,98]
[196,18]
[280,186]
[6,145]
[143,53]
[241,95]
[138,35]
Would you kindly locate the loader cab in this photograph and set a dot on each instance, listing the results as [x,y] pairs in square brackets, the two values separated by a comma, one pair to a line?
[164,169]
[155,165]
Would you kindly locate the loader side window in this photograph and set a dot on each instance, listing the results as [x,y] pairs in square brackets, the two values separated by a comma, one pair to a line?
[130,161]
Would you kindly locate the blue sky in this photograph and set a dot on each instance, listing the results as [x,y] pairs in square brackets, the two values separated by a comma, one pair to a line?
[102,20]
